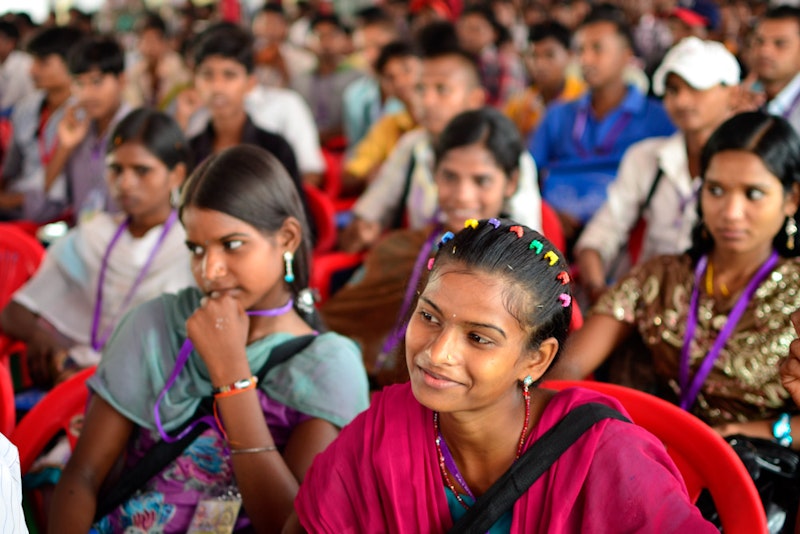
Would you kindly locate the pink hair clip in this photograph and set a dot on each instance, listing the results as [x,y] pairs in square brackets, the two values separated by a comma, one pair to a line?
[563,277]
[517,230]
[430,263]
[551,256]
[494,222]
[537,245]
[471,223]
[565,299]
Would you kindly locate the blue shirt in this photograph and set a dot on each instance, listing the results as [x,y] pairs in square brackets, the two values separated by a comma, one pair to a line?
[578,154]
[502,526]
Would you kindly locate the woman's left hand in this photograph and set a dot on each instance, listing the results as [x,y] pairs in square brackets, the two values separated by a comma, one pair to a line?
[218,329]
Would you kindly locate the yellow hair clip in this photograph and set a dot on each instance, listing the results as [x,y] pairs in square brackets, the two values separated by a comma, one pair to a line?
[551,256]
[471,223]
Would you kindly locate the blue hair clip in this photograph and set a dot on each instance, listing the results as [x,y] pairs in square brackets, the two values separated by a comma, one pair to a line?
[494,222]
[446,237]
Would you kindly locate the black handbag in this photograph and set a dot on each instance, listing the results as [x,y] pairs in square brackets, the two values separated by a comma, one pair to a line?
[775,469]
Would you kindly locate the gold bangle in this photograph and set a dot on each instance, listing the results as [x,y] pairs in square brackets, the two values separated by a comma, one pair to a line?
[268,448]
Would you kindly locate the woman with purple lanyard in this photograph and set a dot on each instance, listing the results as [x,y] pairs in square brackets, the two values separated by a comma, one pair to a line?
[112,262]
[476,171]
[249,249]
[716,319]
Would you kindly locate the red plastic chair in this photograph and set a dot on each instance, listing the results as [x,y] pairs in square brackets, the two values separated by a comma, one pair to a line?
[332,177]
[551,227]
[326,266]
[704,459]
[20,256]
[324,218]
[60,409]
[8,414]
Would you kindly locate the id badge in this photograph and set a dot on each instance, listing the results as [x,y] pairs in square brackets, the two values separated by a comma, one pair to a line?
[215,516]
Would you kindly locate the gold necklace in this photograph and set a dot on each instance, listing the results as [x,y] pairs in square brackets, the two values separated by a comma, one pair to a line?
[710,282]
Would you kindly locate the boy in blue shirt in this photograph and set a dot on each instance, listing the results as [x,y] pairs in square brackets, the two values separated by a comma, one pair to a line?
[579,144]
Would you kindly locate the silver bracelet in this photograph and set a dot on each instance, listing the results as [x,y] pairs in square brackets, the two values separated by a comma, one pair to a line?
[268,448]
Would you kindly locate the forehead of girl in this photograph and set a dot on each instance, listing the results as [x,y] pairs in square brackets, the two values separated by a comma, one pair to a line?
[204,225]
[739,167]
[472,297]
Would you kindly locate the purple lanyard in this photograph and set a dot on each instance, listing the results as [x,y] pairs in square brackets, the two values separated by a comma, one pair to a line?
[605,146]
[98,340]
[399,329]
[451,465]
[689,391]
[180,363]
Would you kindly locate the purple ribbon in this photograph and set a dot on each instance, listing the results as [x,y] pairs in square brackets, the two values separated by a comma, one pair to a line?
[689,391]
[451,465]
[605,146]
[180,363]
[98,340]
[399,329]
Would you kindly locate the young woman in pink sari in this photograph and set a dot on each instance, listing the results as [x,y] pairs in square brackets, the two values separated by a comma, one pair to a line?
[486,328]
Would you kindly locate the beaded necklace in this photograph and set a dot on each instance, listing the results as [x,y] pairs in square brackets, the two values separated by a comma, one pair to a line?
[446,461]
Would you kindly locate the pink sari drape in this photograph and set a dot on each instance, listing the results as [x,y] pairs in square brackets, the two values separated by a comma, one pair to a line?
[382,475]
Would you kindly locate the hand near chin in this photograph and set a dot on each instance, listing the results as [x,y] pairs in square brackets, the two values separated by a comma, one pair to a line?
[218,329]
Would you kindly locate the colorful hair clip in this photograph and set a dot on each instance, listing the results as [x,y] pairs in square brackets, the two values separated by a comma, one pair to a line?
[471,223]
[563,277]
[494,222]
[430,263]
[565,299]
[552,256]
[536,244]
[517,230]
[446,237]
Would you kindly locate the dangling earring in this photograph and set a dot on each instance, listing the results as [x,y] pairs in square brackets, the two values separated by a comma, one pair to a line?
[288,259]
[526,395]
[791,230]
[174,197]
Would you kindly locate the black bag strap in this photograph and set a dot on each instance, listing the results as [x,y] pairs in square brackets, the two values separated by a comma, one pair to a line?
[639,215]
[401,209]
[502,495]
[163,453]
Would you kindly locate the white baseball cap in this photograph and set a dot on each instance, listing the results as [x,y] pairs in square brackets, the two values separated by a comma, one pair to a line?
[702,64]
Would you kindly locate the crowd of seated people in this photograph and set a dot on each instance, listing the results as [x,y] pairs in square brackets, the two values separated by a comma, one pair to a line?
[195,159]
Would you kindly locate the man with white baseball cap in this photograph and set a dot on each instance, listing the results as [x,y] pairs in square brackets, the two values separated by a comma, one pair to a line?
[658,177]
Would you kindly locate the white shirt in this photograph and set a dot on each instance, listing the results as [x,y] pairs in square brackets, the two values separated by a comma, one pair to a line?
[671,214]
[12,518]
[783,102]
[15,79]
[381,200]
[280,111]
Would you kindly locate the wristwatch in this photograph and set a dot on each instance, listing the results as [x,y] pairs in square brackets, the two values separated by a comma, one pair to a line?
[782,430]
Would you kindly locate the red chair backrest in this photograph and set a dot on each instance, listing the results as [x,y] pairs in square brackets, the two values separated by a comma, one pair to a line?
[551,227]
[324,214]
[20,255]
[8,414]
[60,409]
[325,266]
[704,459]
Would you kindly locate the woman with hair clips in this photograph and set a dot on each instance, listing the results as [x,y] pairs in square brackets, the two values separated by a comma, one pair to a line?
[488,324]
[715,320]
[476,172]
[108,264]
[276,402]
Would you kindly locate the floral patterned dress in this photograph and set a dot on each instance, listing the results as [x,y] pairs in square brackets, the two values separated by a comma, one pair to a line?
[744,383]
